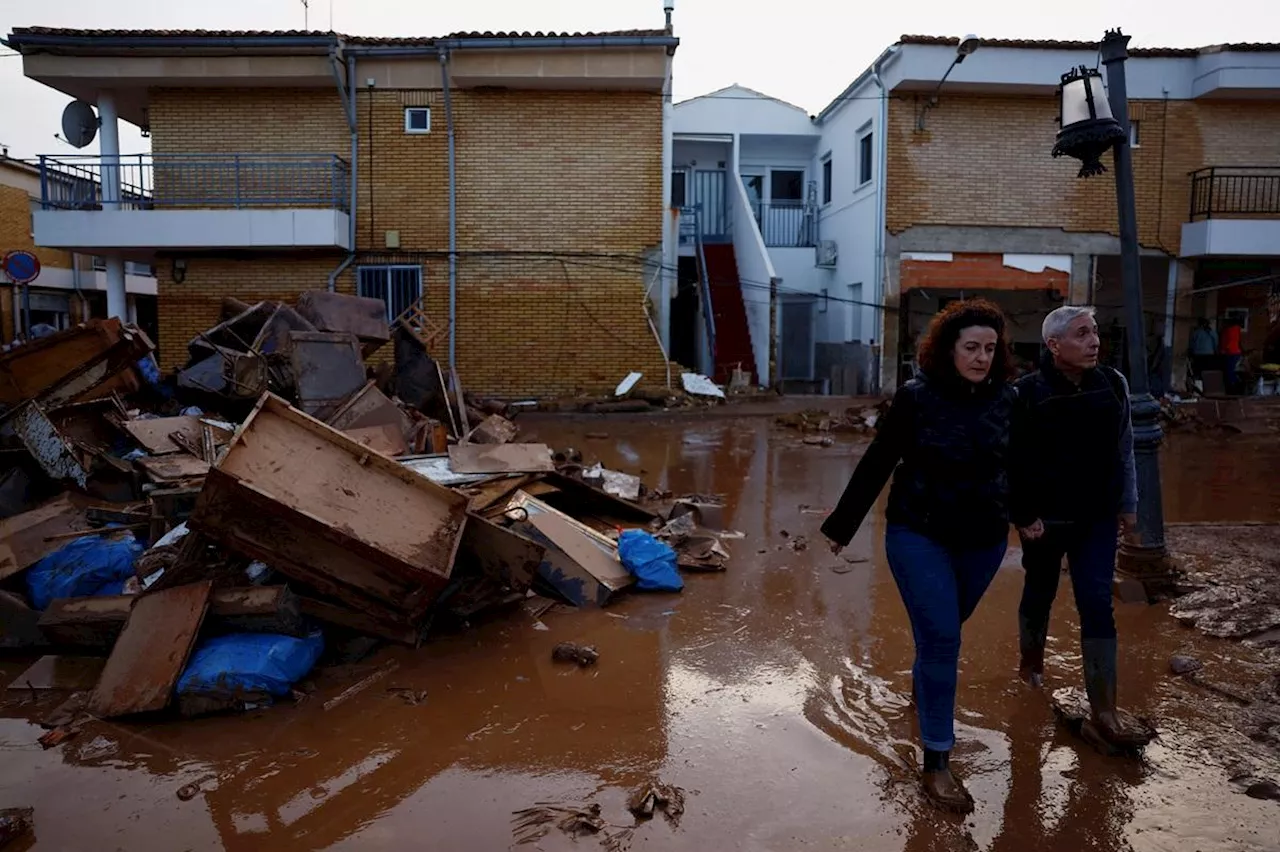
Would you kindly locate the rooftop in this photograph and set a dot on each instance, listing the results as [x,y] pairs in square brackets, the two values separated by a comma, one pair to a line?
[1050,44]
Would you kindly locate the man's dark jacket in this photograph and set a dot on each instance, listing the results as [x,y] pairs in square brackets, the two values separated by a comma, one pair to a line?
[1072,447]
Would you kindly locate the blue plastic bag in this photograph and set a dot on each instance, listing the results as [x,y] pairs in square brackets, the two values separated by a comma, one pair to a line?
[89,565]
[651,561]
[240,664]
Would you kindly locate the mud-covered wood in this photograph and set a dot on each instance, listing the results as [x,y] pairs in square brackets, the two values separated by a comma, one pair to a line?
[148,658]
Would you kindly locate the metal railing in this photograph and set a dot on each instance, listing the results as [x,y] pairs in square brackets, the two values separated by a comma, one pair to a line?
[1235,191]
[159,181]
[691,225]
[787,225]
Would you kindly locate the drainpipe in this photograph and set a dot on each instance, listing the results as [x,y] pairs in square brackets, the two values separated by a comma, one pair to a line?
[669,223]
[348,94]
[453,226]
[881,202]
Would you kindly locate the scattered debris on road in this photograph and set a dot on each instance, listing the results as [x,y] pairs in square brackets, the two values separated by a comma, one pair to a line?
[571,652]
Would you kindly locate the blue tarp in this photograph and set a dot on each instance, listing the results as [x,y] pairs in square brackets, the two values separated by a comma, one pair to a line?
[89,565]
[240,664]
[651,561]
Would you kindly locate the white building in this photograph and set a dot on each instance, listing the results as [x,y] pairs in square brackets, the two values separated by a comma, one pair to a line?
[906,192]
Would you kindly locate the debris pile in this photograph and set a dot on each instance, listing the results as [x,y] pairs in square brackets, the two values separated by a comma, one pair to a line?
[817,425]
[215,533]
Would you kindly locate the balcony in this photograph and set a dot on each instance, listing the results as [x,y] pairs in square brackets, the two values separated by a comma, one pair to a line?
[1235,210]
[217,201]
[787,225]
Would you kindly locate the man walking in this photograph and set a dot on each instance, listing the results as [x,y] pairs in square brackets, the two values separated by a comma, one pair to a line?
[1203,347]
[1073,481]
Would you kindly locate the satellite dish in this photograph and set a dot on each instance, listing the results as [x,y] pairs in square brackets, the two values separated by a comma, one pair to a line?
[79,123]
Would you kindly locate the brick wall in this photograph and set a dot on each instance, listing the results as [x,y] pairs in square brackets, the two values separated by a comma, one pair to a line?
[15,235]
[986,161]
[967,271]
[576,175]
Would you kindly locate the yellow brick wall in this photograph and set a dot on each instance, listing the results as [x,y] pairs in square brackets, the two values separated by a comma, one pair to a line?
[575,175]
[986,161]
[15,235]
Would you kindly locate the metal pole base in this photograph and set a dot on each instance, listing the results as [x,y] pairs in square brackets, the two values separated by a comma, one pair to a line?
[1150,568]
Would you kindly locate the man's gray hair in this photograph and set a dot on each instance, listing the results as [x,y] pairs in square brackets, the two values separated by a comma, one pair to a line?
[1060,319]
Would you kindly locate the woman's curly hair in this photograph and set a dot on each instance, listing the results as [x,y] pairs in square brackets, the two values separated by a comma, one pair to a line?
[935,353]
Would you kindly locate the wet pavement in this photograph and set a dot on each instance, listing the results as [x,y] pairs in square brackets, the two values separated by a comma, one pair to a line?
[775,694]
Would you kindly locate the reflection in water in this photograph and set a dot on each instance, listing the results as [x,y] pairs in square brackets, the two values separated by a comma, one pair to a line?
[775,693]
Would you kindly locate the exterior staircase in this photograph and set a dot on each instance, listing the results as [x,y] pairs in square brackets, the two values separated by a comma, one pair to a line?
[732,334]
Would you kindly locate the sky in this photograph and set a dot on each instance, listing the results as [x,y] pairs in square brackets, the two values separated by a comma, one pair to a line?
[802,51]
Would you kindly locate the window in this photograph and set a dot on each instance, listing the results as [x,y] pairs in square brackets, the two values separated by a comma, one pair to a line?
[786,187]
[678,189]
[826,179]
[417,119]
[1135,134]
[400,287]
[865,151]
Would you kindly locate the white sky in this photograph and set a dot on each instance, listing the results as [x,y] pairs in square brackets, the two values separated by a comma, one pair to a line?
[803,51]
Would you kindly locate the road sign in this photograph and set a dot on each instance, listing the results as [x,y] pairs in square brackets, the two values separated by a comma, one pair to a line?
[22,267]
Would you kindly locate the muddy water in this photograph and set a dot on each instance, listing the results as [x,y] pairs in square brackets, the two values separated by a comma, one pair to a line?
[775,694]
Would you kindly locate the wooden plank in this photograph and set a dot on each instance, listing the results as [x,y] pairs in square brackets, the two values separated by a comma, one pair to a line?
[399,632]
[175,467]
[154,434]
[327,368]
[148,658]
[30,370]
[257,609]
[310,468]
[369,407]
[385,439]
[22,537]
[583,549]
[501,458]
[494,563]
[89,622]
[60,673]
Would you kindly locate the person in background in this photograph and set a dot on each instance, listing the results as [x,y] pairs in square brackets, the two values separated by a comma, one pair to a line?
[947,436]
[1073,480]
[1203,347]
[1232,355]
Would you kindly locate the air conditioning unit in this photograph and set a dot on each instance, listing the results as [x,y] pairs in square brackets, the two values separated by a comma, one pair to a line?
[827,253]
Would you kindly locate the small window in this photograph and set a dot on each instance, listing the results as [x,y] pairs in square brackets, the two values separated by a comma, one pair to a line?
[1135,134]
[400,287]
[865,151]
[826,180]
[678,189]
[786,186]
[417,119]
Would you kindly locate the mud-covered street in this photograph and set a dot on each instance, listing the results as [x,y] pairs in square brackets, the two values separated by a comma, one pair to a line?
[774,694]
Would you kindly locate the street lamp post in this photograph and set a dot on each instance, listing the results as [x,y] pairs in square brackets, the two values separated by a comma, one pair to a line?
[1091,125]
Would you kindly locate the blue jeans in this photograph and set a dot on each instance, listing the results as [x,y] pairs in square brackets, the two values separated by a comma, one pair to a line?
[941,587]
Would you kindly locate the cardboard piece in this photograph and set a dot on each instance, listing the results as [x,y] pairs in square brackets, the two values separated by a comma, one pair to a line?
[152,650]
[501,458]
[494,429]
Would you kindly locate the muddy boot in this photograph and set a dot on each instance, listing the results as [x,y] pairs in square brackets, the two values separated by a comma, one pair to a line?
[942,787]
[1031,642]
[1107,723]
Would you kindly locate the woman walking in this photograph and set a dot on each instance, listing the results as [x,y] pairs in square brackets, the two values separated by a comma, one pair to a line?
[947,516]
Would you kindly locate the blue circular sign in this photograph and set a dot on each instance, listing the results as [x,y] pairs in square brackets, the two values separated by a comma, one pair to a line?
[21,266]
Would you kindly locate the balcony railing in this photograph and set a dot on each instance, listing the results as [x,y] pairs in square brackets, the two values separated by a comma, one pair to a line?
[220,181]
[1235,192]
[787,225]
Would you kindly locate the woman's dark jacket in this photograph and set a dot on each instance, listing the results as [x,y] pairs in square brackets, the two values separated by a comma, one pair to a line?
[949,441]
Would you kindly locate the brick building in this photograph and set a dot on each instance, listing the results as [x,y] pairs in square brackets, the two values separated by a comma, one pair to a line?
[906,192]
[71,286]
[975,205]
[282,162]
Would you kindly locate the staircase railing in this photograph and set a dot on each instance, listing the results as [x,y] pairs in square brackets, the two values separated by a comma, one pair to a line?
[691,225]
